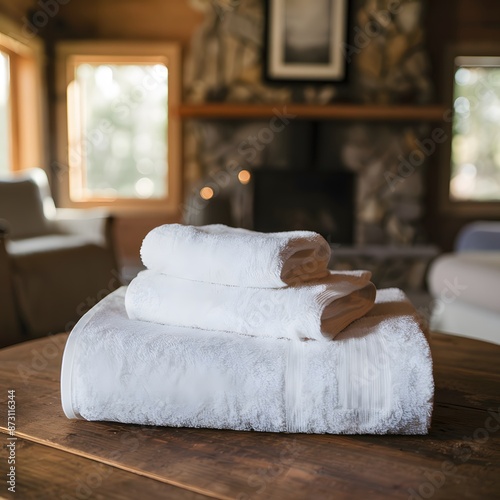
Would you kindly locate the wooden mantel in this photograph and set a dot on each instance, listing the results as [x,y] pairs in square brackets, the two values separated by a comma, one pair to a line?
[432,113]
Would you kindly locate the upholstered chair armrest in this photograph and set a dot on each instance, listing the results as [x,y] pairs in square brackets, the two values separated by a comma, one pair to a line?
[94,224]
[10,326]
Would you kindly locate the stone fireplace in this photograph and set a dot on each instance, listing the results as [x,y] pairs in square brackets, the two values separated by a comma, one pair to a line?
[389,203]
[388,64]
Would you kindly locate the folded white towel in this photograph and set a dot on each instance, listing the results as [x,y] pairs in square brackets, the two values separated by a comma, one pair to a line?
[375,378]
[311,310]
[233,256]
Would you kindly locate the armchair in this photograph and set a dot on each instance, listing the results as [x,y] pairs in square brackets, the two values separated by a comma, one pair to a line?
[54,263]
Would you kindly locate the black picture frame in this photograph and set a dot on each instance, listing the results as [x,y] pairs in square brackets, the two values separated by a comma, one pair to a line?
[318,34]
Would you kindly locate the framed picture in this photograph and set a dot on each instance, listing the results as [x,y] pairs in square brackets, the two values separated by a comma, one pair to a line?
[305,40]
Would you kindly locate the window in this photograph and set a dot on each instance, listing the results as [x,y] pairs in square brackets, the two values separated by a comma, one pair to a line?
[21,100]
[475,155]
[119,146]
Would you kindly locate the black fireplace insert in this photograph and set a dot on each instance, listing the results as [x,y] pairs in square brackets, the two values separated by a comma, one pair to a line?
[285,200]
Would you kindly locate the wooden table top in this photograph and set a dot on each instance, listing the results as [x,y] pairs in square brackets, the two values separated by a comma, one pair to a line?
[74,459]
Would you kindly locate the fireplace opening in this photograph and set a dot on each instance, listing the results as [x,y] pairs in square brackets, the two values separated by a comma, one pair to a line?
[287,200]
[272,200]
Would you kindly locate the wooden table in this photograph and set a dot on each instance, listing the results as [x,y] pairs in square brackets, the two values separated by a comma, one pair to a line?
[61,458]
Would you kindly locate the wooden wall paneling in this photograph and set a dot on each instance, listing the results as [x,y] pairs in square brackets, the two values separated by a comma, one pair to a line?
[451,22]
[168,20]
[478,20]
[16,10]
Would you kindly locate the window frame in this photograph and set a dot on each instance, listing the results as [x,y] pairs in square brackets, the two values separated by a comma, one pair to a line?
[27,99]
[70,53]
[462,208]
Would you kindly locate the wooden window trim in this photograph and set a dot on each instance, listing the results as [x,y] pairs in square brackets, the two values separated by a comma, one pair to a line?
[28,141]
[475,209]
[70,53]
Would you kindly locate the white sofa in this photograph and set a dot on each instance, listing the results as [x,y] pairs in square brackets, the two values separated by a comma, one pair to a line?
[465,285]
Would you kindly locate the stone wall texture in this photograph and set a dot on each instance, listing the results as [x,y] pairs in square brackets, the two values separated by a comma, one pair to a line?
[387,64]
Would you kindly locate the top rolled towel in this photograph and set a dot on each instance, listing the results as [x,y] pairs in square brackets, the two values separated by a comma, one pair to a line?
[234,256]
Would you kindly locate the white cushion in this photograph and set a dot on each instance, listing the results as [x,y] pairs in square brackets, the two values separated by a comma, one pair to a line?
[44,244]
[466,320]
[471,277]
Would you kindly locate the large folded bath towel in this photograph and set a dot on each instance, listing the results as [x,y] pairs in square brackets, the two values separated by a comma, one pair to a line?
[233,256]
[376,377]
[314,310]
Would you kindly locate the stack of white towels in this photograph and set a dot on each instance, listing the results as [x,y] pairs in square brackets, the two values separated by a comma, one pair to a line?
[226,279]
[229,328]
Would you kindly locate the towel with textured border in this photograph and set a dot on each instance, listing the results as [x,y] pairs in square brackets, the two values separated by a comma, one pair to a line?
[234,256]
[375,377]
[315,310]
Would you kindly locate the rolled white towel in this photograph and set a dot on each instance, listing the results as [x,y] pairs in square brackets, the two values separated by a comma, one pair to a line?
[231,256]
[316,310]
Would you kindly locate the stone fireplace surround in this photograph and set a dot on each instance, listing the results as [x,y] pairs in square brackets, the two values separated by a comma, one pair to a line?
[387,235]
[387,65]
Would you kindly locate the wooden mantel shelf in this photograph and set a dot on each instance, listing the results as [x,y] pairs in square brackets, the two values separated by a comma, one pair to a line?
[434,113]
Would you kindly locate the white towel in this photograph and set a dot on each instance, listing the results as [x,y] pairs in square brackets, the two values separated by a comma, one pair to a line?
[376,377]
[311,310]
[233,256]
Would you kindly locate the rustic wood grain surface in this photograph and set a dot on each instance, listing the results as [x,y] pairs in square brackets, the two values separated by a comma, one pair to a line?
[46,472]
[460,458]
